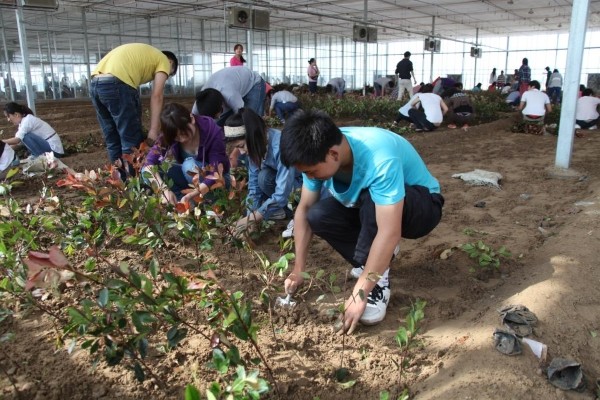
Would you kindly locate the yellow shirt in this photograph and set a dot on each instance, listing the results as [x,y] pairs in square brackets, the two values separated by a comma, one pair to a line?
[134,63]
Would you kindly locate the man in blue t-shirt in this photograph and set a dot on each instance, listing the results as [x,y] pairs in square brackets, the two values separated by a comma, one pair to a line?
[380,190]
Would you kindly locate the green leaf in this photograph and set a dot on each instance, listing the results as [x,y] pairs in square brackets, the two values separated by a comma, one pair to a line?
[103,297]
[191,393]
[341,374]
[154,268]
[347,385]
[77,317]
[402,336]
[139,372]
[219,361]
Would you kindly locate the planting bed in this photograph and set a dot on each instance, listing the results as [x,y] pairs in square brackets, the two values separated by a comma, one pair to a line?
[550,225]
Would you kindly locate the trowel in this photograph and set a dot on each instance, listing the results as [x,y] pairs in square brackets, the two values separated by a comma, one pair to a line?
[285,302]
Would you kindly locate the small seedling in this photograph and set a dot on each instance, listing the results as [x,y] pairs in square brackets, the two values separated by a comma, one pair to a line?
[486,256]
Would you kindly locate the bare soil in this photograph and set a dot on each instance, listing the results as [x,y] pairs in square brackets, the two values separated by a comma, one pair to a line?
[551,226]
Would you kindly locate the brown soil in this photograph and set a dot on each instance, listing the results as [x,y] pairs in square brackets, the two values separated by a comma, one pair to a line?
[551,226]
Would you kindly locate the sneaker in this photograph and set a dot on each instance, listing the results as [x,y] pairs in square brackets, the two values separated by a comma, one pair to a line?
[376,305]
[577,126]
[278,215]
[451,126]
[289,231]
[592,128]
[356,272]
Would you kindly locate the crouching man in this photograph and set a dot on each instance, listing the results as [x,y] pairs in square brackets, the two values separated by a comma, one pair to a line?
[380,190]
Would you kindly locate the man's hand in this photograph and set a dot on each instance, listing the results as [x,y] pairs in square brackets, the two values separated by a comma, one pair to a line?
[152,136]
[188,198]
[353,309]
[244,223]
[293,282]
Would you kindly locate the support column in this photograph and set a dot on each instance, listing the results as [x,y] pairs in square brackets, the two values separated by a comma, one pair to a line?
[433,37]
[476,45]
[25,54]
[365,49]
[564,145]
[10,85]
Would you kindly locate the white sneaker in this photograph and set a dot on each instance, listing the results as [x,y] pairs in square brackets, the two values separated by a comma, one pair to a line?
[356,272]
[592,128]
[289,231]
[377,303]
[577,126]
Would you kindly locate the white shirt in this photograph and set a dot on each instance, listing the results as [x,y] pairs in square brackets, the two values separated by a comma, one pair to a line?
[431,103]
[7,157]
[535,102]
[283,96]
[30,124]
[404,109]
[587,108]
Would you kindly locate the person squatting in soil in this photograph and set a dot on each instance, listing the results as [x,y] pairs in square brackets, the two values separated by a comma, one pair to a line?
[534,105]
[432,111]
[187,142]
[115,95]
[380,191]
[35,134]
[269,181]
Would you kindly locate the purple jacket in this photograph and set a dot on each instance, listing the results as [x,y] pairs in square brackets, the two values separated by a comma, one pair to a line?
[211,150]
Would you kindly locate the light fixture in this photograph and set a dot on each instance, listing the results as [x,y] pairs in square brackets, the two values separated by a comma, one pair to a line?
[546,19]
[530,11]
[560,25]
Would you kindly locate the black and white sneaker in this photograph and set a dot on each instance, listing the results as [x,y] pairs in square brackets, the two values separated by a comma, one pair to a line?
[356,272]
[377,303]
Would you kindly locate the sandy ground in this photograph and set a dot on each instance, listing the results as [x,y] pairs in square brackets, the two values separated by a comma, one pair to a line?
[549,224]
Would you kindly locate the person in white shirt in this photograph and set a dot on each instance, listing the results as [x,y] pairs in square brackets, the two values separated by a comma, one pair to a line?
[534,103]
[555,83]
[284,103]
[36,135]
[381,84]
[337,86]
[586,116]
[433,111]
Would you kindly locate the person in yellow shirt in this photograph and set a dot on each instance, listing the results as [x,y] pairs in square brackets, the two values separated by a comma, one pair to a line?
[114,92]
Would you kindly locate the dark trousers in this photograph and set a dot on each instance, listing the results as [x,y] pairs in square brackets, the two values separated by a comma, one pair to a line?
[402,117]
[351,231]
[586,124]
[420,120]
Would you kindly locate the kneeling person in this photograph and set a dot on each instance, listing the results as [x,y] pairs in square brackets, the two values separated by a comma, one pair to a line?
[380,190]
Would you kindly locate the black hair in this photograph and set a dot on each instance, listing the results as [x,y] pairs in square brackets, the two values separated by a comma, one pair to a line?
[407,54]
[588,92]
[209,102]
[555,70]
[535,84]
[525,61]
[494,70]
[12,107]
[256,133]
[242,59]
[174,118]
[171,56]
[458,85]
[307,137]
[329,88]
[428,88]
[311,60]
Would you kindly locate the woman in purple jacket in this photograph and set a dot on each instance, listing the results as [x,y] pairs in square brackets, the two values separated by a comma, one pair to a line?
[187,142]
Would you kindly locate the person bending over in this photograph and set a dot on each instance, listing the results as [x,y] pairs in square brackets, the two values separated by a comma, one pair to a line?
[432,113]
[381,191]
[187,142]
[269,181]
[35,134]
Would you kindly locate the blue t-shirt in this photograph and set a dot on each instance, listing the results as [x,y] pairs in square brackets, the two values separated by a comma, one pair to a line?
[383,163]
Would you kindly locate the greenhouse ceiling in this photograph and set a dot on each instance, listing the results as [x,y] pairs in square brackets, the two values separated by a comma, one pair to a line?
[393,19]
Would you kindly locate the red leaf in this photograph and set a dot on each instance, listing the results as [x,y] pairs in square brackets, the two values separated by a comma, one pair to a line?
[57,257]
[182,207]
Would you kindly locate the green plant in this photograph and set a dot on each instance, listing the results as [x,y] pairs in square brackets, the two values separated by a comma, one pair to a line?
[485,255]
[406,338]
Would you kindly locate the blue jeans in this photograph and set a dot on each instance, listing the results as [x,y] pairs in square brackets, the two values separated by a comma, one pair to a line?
[255,98]
[282,109]
[37,145]
[119,112]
